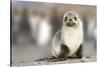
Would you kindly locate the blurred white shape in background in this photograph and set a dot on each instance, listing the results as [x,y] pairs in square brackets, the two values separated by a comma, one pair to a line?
[44,35]
[34,21]
[89,48]
[40,26]
[91,28]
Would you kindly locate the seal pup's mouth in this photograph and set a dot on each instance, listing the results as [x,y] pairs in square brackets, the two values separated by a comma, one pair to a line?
[70,24]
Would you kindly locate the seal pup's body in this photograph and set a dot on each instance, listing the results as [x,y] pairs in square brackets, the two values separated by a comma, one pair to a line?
[68,41]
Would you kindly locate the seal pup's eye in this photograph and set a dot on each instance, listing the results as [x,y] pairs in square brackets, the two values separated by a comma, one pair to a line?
[65,18]
[75,18]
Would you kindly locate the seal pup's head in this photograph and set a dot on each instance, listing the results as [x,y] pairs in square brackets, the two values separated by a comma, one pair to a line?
[71,19]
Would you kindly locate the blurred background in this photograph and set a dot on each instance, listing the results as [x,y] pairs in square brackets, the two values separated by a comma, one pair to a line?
[34,24]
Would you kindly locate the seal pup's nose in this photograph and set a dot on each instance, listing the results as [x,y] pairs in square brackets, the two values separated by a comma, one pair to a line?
[70,19]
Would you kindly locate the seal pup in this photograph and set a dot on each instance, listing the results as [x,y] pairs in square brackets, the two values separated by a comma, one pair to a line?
[68,41]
